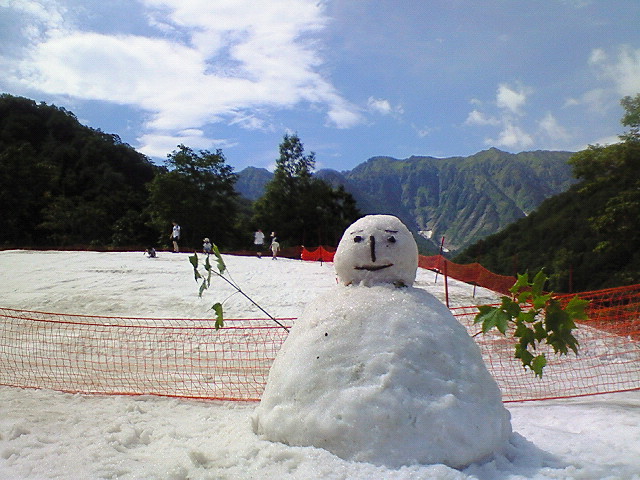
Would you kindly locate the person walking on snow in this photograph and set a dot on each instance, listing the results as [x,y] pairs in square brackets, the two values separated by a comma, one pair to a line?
[275,248]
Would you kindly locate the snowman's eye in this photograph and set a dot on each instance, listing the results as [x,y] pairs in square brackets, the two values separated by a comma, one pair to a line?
[391,239]
[357,239]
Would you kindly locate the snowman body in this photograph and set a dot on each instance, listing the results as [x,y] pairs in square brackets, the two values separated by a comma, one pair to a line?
[379,371]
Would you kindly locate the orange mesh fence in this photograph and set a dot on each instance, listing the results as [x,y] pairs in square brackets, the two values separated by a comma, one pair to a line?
[615,310]
[608,357]
[473,273]
[189,358]
[105,355]
[321,253]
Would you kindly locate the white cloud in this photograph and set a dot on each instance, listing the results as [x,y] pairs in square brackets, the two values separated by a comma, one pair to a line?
[510,102]
[476,117]
[511,99]
[159,145]
[512,136]
[383,107]
[422,131]
[223,61]
[550,127]
[623,70]
[379,105]
[343,115]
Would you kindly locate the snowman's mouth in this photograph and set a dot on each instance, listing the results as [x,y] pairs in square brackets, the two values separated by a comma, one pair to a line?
[374,268]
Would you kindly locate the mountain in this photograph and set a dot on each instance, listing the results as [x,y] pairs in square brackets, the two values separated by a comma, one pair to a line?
[463,199]
[251,182]
[586,238]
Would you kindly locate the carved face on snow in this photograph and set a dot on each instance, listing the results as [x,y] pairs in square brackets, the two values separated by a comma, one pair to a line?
[377,249]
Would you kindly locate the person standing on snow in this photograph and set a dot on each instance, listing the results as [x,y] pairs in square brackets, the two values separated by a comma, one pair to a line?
[175,237]
[258,242]
[206,246]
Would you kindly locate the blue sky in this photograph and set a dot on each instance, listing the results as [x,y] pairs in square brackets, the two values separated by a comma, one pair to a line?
[354,78]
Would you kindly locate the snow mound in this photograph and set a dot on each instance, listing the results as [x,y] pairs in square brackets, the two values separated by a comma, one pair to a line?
[383,375]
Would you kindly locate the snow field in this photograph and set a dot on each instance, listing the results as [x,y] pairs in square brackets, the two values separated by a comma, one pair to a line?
[46,434]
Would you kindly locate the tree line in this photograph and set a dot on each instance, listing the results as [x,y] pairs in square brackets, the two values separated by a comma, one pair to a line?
[63,184]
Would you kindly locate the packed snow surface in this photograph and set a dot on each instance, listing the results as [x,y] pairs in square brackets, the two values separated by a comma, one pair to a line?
[53,435]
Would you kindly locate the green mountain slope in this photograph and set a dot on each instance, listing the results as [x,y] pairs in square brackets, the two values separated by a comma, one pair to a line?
[586,238]
[463,199]
[63,183]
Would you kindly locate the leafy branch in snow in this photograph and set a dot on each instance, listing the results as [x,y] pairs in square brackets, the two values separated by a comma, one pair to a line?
[536,318]
[206,277]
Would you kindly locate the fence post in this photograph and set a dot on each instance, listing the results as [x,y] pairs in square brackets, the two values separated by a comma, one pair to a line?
[440,254]
[446,283]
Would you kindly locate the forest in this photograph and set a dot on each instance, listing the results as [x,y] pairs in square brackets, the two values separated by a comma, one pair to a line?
[66,185]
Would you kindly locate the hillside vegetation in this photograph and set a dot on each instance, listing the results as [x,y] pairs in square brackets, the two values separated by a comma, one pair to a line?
[463,199]
[588,237]
[63,184]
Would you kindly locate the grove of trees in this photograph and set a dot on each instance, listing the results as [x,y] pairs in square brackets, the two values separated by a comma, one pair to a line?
[64,185]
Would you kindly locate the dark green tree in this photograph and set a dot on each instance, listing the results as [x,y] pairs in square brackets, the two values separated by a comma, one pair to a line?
[615,169]
[196,190]
[301,208]
[64,183]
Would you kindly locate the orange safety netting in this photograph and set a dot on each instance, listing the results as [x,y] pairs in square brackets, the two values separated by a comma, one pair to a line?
[472,273]
[321,253]
[189,358]
[608,357]
[132,356]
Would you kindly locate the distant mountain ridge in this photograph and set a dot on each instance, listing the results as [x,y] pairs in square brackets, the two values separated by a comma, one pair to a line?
[463,199]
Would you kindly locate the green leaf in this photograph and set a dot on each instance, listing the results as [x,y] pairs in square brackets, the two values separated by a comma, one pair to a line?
[540,301]
[194,261]
[538,363]
[540,332]
[521,283]
[202,288]
[537,287]
[576,308]
[511,308]
[527,316]
[482,311]
[217,307]
[494,317]
[524,355]
[221,266]
[524,297]
[525,334]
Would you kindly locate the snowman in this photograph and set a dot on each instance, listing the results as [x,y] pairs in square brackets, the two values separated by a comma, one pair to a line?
[379,371]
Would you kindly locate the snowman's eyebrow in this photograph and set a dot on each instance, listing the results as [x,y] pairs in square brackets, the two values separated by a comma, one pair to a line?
[391,231]
[356,231]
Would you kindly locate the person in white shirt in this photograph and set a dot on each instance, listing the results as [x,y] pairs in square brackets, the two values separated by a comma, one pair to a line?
[258,242]
[175,237]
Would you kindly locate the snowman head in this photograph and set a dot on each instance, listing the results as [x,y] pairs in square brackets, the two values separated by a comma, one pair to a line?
[377,249]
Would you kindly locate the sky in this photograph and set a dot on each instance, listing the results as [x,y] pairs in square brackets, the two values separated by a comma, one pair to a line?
[352,78]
